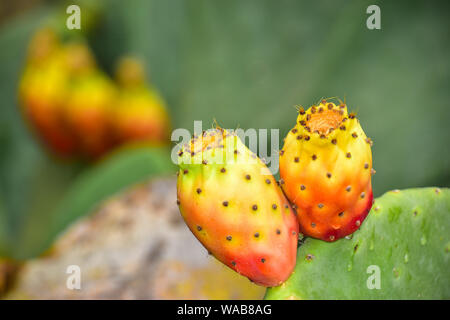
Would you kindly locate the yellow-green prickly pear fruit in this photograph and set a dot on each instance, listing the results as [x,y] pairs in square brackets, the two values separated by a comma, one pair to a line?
[140,113]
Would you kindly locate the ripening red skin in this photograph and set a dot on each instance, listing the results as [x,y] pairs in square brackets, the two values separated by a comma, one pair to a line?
[48,125]
[263,240]
[327,175]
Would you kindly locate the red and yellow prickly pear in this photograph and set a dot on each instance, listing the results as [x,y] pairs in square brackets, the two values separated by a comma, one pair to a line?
[325,169]
[232,204]
[89,101]
[140,113]
[42,92]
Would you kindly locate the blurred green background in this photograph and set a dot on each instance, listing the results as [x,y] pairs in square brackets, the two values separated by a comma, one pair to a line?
[245,64]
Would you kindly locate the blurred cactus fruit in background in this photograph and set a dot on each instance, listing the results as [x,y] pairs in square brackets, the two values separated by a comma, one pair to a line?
[233,205]
[326,168]
[89,101]
[42,92]
[140,113]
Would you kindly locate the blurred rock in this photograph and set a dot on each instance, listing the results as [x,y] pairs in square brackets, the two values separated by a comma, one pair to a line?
[136,246]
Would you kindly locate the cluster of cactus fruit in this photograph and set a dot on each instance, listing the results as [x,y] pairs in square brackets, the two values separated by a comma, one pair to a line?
[77,110]
[231,202]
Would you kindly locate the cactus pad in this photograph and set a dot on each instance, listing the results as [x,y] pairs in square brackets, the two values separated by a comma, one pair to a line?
[406,237]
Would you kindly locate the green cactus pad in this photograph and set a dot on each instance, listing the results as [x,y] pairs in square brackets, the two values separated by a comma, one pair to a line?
[406,236]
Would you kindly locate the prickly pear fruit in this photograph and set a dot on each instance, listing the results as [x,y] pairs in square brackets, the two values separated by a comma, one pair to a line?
[140,113]
[42,92]
[326,167]
[90,97]
[232,204]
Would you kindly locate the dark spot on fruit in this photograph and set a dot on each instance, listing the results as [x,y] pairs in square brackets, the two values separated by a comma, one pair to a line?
[248,177]
[281,152]
[286,206]
[322,136]
[278,231]
[199,190]
[192,153]
[354,135]
[352,116]
[342,127]
[366,166]
[328,175]
[180,153]
[348,155]
[302,122]
[205,162]
[314,157]
[256,234]
[274,206]
[233,263]
[320,205]
[302,187]
[229,238]
[199,228]
[341,214]
[313,224]
[301,111]
[294,130]
[330,106]
[296,159]
[307,138]
[223,170]
[225,203]
[363,194]
[281,181]
[268,181]
[348,189]
[178,201]
[185,171]
[299,137]
[263,260]
[334,141]
[309,257]
[236,152]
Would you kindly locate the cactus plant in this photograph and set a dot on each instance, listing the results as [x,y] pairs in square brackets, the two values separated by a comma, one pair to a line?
[405,236]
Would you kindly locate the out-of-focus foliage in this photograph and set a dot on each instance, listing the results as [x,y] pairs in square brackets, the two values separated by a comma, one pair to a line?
[247,64]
